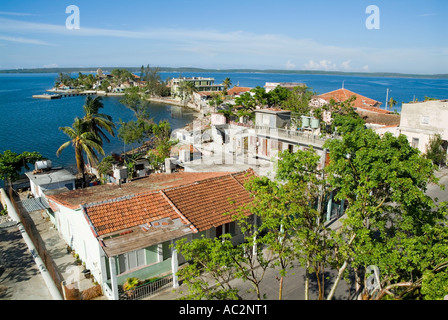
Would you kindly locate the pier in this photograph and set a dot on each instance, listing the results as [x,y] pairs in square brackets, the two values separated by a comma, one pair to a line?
[73,93]
[60,93]
[47,96]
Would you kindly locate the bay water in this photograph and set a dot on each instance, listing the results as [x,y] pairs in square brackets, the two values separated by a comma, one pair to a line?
[28,124]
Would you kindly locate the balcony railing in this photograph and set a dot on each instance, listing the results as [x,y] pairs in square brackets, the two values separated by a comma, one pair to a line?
[146,290]
[291,134]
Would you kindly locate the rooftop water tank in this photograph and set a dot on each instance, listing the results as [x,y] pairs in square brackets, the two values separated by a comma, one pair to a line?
[305,122]
[120,173]
[314,123]
[42,165]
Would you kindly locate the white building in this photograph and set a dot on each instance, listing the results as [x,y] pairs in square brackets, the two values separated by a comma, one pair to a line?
[420,121]
[44,178]
[126,231]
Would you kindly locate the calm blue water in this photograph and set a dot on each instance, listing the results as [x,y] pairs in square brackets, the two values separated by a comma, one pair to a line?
[401,89]
[28,124]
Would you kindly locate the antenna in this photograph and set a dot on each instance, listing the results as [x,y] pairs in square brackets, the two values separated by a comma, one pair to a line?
[343,84]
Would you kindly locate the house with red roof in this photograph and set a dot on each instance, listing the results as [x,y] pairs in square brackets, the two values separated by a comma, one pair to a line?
[127,231]
[361,102]
[368,109]
[237,91]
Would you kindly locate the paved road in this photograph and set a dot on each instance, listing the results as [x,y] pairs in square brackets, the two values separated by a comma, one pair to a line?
[20,278]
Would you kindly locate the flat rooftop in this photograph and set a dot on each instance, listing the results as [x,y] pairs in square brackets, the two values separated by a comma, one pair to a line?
[49,177]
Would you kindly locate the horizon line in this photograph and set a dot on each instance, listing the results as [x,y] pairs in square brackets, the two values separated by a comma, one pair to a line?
[218,70]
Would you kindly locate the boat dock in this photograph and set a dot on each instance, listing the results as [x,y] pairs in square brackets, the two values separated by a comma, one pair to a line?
[60,94]
[47,96]
[57,94]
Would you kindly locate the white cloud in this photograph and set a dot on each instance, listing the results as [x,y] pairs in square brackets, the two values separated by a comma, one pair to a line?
[52,65]
[346,65]
[325,65]
[290,65]
[16,14]
[199,46]
[24,40]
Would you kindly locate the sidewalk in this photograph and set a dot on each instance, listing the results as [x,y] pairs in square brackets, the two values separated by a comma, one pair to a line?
[293,287]
[20,278]
[57,248]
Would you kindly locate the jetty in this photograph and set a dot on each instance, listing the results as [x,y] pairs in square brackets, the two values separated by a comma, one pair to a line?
[47,96]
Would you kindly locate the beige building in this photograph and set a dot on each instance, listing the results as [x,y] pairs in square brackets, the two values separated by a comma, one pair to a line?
[422,120]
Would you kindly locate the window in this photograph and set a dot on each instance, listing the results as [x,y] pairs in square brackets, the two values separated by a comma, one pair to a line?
[424,120]
[415,142]
[131,260]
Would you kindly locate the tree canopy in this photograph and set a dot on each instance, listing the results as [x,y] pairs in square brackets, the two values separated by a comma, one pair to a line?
[12,163]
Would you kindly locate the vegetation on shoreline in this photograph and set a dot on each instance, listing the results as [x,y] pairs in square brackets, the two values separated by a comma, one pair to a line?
[201,70]
[390,224]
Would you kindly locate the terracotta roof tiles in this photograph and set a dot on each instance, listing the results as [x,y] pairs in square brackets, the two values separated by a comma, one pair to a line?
[361,102]
[200,200]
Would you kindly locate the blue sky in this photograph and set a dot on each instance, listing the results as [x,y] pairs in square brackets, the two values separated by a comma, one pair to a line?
[295,35]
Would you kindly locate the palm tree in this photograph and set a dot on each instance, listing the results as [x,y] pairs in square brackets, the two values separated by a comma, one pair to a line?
[227,83]
[392,103]
[186,89]
[97,122]
[83,141]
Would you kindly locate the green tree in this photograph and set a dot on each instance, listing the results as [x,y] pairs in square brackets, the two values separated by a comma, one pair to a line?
[11,164]
[435,150]
[384,180]
[153,81]
[298,100]
[162,144]
[209,259]
[392,103]
[260,96]
[215,100]
[271,205]
[245,105]
[305,187]
[134,131]
[97,122]
[276,97]
[105,84]
[227,83]
[83,142]
[133,100]
[228,111]
[105,166]
[186,90]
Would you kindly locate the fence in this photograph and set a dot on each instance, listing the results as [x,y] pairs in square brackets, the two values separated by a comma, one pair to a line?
[147,289]
[39,244]
[290,134]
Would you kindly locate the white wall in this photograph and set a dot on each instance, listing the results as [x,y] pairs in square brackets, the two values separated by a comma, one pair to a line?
[421,120]
[38,191]
[74,229]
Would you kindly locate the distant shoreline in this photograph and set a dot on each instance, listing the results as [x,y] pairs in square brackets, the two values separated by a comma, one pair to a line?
[199,70]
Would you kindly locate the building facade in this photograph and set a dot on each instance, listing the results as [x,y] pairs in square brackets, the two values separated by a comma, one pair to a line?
[420,121]
[128,231]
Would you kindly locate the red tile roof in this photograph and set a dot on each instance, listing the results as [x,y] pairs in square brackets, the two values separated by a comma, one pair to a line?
[196,199]
[361,102]
[205,203]
[73,199]
[237,90]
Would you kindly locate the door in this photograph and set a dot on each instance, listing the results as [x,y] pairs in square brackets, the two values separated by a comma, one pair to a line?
[218,231]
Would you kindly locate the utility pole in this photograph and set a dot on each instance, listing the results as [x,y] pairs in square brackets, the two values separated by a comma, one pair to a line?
[387,97]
